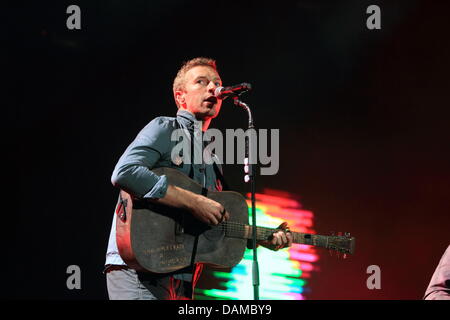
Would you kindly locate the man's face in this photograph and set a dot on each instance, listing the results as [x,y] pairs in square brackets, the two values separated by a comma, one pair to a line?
[198,94]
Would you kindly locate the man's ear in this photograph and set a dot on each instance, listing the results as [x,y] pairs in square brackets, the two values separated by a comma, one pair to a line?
[180,97]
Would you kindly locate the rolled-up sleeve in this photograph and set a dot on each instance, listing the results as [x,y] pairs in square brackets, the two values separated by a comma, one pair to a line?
[133,170]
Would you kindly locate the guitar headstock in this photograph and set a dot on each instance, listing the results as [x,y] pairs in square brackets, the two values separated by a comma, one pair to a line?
[342,244]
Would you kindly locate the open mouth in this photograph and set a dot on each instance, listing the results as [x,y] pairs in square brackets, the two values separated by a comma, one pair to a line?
[211,99]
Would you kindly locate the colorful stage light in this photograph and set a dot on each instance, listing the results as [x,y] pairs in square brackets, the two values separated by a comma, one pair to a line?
[282,273]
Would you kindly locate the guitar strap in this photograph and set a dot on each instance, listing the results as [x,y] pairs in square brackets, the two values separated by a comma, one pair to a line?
[191,170]
[219,175]
[191,136]
[194,269]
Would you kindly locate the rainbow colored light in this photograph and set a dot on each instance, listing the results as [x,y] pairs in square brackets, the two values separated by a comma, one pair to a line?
[283,274]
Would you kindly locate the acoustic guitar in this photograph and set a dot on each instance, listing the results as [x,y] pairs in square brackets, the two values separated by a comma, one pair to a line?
[160,239]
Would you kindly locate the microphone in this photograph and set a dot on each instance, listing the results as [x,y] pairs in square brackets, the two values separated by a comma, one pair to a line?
[224,92]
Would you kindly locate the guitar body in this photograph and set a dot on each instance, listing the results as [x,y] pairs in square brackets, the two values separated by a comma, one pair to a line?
[161,239]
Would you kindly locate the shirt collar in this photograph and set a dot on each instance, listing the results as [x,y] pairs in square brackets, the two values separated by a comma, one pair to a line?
[188,119]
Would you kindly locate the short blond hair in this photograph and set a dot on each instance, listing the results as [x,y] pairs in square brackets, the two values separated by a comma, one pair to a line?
[178,82]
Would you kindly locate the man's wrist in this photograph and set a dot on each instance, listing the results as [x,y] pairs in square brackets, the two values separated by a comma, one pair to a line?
[187,199]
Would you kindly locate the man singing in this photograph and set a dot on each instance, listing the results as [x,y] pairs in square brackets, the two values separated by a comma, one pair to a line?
[193,90]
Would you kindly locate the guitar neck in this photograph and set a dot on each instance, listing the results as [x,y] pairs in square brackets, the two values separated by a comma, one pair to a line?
[244,231]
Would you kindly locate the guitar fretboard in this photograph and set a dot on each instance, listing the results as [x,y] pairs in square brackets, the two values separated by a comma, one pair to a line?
[244,231]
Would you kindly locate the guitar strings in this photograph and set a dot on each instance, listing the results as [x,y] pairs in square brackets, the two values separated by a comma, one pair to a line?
[237,227]
[231,226]
[240,226]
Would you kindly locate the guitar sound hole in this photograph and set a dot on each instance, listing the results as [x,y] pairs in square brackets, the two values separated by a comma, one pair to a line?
[214,233]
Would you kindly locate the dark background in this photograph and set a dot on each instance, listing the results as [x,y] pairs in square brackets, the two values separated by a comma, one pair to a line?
[363,118]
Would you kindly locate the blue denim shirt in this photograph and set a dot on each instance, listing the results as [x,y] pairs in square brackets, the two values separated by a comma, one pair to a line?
[152,148]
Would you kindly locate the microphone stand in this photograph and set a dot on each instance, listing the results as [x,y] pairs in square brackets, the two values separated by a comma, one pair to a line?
[250,177]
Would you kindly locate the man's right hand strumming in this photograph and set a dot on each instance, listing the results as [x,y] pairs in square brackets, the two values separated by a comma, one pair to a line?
[204,209]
